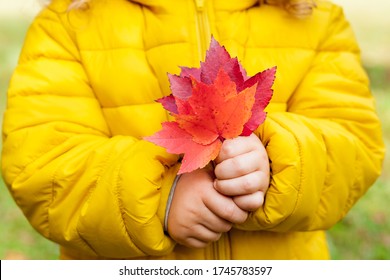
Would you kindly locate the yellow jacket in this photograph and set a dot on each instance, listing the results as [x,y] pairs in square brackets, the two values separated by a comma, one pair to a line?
[83,96]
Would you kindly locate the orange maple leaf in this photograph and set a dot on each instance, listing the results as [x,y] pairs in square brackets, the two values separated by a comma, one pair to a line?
[210,104]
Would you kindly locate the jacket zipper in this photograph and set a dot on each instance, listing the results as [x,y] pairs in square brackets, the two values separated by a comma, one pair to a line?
[204,35]
[203,28]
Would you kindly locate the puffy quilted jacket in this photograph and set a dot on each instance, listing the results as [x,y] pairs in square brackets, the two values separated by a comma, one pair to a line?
[83,96]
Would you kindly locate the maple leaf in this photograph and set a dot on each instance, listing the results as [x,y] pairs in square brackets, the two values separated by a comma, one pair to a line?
[264,81]
[212,103]
[217,110]
[177,141]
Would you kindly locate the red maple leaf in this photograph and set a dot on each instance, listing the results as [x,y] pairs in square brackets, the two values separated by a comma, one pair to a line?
[212,103]
[177,141]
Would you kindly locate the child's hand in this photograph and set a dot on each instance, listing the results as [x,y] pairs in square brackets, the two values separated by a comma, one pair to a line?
[199,214]
[243,171]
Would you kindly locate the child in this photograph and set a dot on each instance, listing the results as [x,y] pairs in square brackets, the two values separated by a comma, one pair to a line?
[83,96]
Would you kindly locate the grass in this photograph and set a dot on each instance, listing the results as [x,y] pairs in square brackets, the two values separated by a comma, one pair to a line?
[365,231]
[363,234]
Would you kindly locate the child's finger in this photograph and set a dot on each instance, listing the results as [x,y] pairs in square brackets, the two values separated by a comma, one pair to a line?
[204,234]
[212,221]
[216,224]
[198,237]
[241,165]
[237,146]
[250,202]
[196,243]
[243,185]
[225,208]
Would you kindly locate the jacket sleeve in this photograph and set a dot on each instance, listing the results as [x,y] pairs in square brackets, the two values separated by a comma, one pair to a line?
[327,149]
[76,183]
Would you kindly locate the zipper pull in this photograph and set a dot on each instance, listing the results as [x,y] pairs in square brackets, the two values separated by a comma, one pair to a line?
[199,4]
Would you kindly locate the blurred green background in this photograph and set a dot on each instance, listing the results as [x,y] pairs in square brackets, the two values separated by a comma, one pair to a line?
[363,234]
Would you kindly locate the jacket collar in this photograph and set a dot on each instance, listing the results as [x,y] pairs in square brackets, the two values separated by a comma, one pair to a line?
[227,5]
